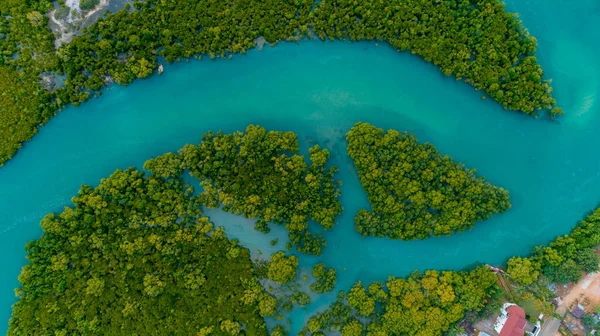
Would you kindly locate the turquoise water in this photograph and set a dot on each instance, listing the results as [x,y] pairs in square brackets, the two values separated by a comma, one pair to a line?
[319,90]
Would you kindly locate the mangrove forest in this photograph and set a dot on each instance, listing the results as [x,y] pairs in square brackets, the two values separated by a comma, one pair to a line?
[475,41]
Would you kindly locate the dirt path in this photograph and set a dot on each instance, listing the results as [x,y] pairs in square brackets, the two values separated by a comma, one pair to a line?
[589,288]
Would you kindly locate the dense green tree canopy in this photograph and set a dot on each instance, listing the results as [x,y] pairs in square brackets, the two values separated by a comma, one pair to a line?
[134,256]
[88,4]
[260,175]
[325,278]
[474,40]
[523,270]
[282,269]
[414,191]
[423,304]
[26,51]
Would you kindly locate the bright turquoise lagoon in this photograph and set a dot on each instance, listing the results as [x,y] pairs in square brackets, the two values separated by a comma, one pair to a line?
[319,90]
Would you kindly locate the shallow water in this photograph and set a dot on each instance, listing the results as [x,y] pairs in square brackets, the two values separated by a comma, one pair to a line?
[319,90]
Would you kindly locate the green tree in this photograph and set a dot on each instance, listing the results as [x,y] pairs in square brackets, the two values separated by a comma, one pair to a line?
[231,327]
[326,278]
[301,298]
[267,305]
[588,321]
[88,4]
[359,299]
[498,59]
[588,260]
[165,166]
[277,187]
[282,269]
[414,191]
[523,270]
[422,304]
[314,325]
[279,330]
[353,328]
[131,255]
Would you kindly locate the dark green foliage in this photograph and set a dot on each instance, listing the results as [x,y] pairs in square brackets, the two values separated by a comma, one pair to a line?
[259,174]
[565,258]
[565,273]
[588,260]
[414,191]
[588,321]
[428,304]
[326,278]
[26,51]
[88,4]
[495,301]
[473,40]
[134,256]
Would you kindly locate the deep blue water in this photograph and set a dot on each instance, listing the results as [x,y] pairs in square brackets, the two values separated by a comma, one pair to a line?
[319,90]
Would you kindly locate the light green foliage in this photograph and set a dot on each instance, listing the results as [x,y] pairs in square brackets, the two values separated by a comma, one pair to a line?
[523,270]
[557,111]
[267,305]
[414,191]
[259,174]
[428,304]
[353,328]
[282,269]
[314,325]
[206,331]
[588,260]
[134,256]
[326,278]
[165,166]
[279,330]
[360,300]
[377,292]
[473,40]
[231,327]
[565,258]
[140,68]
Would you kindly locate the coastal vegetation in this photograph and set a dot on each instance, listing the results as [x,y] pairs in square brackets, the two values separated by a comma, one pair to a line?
[414,191]
[475,41]
[423,304]
[88,4]
[564,259]
[282,269]
[135,256]
[259,174]
[325,278]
